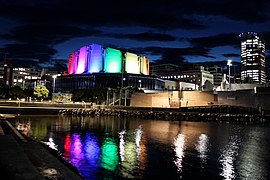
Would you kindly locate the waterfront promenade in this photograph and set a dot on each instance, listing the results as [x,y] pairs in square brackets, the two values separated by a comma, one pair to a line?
[217,113]
[25,159]
[12,107]
[21,158]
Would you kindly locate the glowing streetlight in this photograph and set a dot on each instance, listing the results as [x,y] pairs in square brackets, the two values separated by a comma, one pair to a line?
[54,77]
[140,84]
[229,64]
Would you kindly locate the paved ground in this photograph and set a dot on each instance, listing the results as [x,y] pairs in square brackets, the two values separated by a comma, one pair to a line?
[29,160]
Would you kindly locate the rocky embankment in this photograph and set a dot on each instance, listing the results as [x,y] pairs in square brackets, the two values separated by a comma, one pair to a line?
[168,115]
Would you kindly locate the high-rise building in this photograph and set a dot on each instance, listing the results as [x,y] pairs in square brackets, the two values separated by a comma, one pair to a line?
[252,58]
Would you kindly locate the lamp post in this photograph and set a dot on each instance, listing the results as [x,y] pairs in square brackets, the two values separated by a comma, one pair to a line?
[180,94]
[229,63]
[140,84]
[108,96]
[54,77]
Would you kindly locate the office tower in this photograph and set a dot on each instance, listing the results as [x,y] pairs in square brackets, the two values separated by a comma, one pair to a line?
[252,58]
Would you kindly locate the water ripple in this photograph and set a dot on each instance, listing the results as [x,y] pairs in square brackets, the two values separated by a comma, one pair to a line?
[179,144]
[228,158]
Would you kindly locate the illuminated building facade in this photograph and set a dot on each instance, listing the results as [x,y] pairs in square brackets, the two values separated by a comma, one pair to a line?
[252,58]
[96,66]
[17,76]
[23,74]
[96,59]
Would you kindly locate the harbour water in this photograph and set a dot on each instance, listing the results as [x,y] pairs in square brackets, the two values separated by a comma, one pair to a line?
[119,148]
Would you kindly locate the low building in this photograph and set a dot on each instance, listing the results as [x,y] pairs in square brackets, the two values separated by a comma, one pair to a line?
[6,73]
[202,79]
[24,75]
[69,83]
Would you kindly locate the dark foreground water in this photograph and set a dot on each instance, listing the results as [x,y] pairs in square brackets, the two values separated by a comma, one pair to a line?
[114,148]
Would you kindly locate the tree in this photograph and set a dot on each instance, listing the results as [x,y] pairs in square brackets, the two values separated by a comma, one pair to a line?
[4,89]
[41,92]
[16,92]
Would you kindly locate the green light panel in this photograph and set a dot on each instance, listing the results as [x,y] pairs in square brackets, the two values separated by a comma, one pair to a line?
[132,63]
[113,61]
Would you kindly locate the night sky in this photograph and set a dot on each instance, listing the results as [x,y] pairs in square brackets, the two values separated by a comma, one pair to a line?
[166,31]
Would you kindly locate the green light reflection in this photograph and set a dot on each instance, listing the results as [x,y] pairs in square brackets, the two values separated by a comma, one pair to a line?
[109,154]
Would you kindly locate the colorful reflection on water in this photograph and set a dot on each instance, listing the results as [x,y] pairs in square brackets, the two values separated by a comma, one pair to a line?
[113,148]
[109,154]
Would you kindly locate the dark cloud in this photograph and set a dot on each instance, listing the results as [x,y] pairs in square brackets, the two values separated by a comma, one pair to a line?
[37,40]
[231,39]
[46,33]
[42,24]
[231,55]
[146,36]
[41,52]
[173,55]
[244,10]
[102,13]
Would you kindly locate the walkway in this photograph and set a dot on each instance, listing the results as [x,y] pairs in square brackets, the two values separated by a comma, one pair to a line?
[25,159]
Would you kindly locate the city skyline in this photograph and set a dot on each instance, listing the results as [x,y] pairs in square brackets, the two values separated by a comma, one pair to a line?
[167,32]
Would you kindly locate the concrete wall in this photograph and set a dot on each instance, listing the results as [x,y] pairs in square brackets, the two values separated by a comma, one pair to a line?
[246,98]
[150,100]
[173,99]
[239,87]
[197,98]
[191,98]
[263,101]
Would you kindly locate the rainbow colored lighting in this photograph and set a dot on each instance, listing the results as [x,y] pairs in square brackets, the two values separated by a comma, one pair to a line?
[109,154]
[144,65]
[75,61]
[67,145]
[113,61]
[92,150]
[70,63]
[76,150]
[132,63]
[95,59]
[82,60]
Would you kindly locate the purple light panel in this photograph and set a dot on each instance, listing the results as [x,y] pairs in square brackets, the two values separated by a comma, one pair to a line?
[82,62]
[95,59]
[75,61]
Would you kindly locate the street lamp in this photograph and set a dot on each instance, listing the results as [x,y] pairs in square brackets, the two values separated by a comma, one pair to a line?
[140,84]
[229,64]
[54,77]
[108,96]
